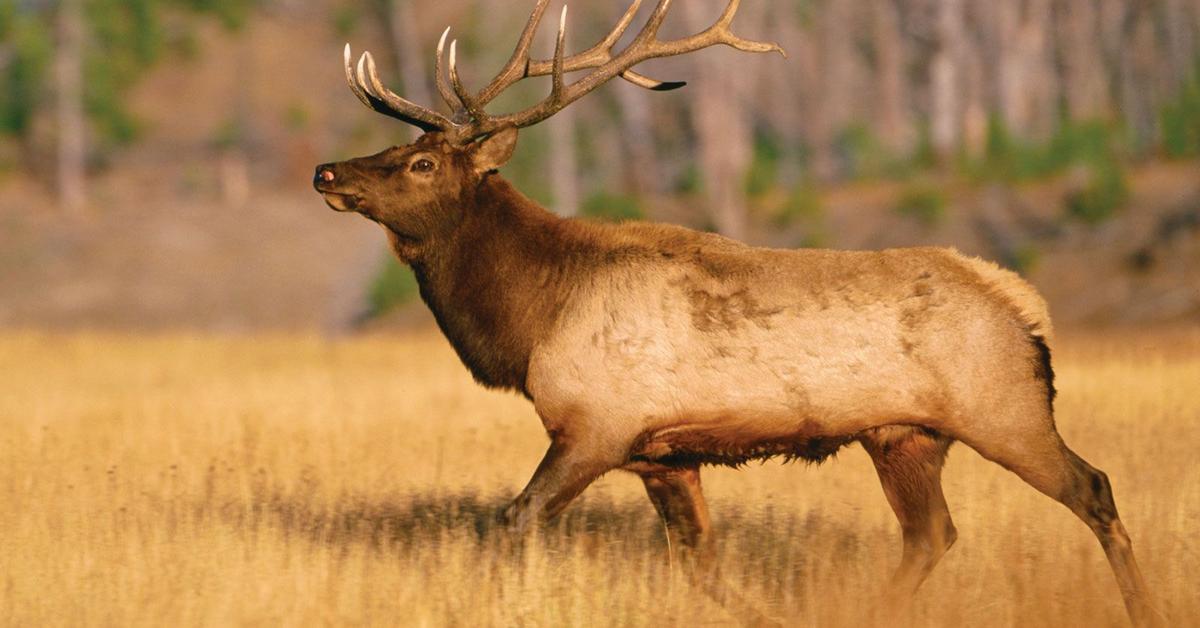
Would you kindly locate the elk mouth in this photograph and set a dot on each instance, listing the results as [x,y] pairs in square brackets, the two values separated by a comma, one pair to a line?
[341,202]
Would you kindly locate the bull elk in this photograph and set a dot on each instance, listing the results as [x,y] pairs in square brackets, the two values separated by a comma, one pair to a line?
[657,349]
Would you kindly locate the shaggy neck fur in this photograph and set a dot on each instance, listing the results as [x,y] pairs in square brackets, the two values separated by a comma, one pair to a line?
[496,283]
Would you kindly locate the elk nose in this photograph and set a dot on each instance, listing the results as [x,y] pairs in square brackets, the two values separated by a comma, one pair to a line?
[324,174]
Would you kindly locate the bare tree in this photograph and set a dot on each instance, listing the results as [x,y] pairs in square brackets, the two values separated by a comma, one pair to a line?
[945,80]
[562,163]
[1083,81]
[1180,40]
[723,133]
[893,114]
[405,43]
[835,108]
[1026,85]
[637,135]
[68,74]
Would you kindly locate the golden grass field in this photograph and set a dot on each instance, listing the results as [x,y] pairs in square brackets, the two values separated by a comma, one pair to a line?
[183,480]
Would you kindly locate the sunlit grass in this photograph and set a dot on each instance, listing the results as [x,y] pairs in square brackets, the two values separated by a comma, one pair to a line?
[284,480]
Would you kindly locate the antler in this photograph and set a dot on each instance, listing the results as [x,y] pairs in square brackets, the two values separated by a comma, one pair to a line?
[469,119]
[372,93]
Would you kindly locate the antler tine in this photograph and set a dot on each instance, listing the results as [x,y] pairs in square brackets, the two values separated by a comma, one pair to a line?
[443,88]
[514,70]
[476,113]
[608,42]
[556,91]
[471,121]
[370,90]
[598,55]
[649,32]
[355,87]
[601,53]
[645,45]
[718,33]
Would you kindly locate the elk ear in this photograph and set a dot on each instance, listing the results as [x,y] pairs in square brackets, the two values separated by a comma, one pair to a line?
[494,150]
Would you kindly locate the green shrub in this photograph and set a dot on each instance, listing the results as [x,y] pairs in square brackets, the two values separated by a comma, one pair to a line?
[1180,120]
[688,183]
[394,285]
[1007,158]
[1024,258]
[763,174]
[613,207]
[923,203]
[802,204]
[1105,192]
[31,46]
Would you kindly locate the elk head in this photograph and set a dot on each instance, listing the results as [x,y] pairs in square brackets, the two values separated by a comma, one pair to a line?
[419,190]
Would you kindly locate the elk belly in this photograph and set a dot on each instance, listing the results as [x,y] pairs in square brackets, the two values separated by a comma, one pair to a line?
[759,387]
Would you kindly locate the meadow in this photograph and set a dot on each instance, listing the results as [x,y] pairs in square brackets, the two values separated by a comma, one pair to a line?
[290,480]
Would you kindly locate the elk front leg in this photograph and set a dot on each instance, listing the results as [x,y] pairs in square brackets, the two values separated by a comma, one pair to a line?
[677,497]
[569,466]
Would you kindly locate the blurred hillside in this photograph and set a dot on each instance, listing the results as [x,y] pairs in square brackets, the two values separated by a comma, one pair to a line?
[167,183]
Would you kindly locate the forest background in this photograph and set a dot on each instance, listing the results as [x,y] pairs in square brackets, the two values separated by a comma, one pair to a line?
[155,155]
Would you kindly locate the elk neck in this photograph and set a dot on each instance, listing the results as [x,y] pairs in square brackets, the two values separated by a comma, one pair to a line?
[497,282]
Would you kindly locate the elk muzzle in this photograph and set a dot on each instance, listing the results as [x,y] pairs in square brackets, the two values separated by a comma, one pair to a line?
[326,181]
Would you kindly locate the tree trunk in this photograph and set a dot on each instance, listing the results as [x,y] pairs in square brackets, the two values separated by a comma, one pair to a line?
[637,133]
[893,121]
[406,45]
[1180,42]
[838,88]
[723,132]
[233,163]
[1083,82]
[564,168]
[1136,62]
[945,83]
[1026,74]
[68,74]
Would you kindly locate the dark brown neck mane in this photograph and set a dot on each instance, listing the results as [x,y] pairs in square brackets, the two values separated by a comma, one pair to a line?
[497,283]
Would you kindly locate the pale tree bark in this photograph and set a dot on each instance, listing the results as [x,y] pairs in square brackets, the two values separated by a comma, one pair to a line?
[945,116]
[893,116]
[838,97]
[723,129]
[1084,83]
[406,45]
[1026,71]
[791,104]
[72,127]
[563,167]
[637,134]
[1133,33]
[974,66]
[1180,41]
[233,163]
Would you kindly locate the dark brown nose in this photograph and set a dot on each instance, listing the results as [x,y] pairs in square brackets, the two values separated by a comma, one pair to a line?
[324,174]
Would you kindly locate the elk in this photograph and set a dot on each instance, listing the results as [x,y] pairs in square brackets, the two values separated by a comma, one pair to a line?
[656,349]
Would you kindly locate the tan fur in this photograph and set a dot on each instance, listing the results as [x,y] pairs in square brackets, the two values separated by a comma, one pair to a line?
[1023,296]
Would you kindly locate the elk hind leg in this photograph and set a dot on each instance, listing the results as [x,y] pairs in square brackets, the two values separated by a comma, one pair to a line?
[1043,460]
[909,463]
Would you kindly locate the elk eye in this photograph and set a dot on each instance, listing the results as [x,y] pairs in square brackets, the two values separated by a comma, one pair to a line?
[422,165]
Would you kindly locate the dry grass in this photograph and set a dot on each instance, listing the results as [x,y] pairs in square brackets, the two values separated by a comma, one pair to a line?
[292,481]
